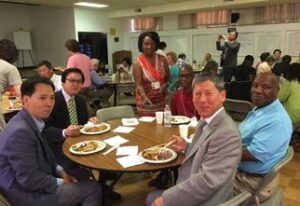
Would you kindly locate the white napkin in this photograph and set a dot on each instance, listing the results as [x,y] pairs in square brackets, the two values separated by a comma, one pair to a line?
[129,161]
[115,141]
[130,121]
[121,129]
[127,150]
[147,119]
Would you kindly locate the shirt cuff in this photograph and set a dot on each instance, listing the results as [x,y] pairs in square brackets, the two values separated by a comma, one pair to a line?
[59,169]
[63,133]
[59,181]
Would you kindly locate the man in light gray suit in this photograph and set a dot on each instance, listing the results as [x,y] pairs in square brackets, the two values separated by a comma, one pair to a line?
[207,172]
[29,175]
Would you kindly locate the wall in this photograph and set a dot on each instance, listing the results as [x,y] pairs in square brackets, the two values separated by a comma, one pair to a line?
[92,20]
[254,40]
[51,27]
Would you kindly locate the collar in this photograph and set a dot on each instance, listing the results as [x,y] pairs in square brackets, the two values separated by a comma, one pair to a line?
[209,119]
[67,97]
[39,123]
[264,109]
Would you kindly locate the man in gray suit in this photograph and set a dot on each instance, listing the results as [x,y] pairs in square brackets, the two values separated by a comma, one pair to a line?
[29,175]
[206,174]
[230,50]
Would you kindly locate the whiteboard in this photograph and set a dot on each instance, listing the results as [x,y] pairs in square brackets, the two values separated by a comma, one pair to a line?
[268,41]
[22,40]
[247,41]
[200,47]
[293,42]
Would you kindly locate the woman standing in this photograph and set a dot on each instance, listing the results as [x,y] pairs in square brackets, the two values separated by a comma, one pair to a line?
[151,74]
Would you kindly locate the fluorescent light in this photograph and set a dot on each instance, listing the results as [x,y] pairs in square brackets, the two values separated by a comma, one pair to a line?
[87,4]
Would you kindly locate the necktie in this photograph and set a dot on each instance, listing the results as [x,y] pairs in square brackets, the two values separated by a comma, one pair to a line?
[199,131]
[72,111]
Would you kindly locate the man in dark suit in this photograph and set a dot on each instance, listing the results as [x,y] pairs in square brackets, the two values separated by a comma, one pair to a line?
[59,124]
[29,175]
[206,175]
[230,48]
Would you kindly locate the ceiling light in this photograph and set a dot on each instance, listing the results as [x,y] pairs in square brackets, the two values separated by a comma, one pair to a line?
[87,4]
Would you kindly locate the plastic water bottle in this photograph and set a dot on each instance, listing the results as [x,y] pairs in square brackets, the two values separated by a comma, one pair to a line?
[167,116]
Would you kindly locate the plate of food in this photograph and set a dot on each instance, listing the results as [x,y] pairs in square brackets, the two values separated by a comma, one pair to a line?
[87,147]
[15,107]
[95,128]
[157,155]
[176,119]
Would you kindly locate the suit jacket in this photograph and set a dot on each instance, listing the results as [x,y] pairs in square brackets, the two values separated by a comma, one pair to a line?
[27,167]
[59,119]
[230,50]
[207,172]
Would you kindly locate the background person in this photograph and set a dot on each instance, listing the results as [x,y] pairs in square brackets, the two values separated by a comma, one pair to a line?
[151,75]
[9,74]
[174,72]
[230,48]
[45,70]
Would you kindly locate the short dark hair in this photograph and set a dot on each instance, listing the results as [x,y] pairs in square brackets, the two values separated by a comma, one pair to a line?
[45,63]
[71,70]
[249,58]
[72,45]
[286,59]
[181,55]
[270,59]
[188,67]
[162,45]
[211,67]
[153,35]
[276,50]
[8,51]
[28,86]
[216,79]
[293,72]
[263,56]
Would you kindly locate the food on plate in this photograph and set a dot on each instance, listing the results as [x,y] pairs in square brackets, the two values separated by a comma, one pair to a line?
[17,105]
[85,147]
[96,128]
[157,153]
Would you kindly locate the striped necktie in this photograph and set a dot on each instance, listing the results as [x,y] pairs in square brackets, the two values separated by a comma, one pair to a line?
[72,111]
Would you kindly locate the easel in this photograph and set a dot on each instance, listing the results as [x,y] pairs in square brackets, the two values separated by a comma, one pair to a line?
[21,54]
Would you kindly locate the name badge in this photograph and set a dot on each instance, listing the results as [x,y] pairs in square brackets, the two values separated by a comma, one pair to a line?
[155,85]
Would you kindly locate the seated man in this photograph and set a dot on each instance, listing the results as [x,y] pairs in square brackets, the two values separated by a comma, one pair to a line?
[182,103]
[266,134]
[207,171]
[99,89]
[45,70]
[69,112]
[29,175]
[245,71]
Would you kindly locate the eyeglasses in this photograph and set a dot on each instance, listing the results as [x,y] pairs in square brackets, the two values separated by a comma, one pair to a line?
[73,81]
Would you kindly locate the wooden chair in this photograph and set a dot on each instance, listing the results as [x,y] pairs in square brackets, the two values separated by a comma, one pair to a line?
[237,109]
[110,113]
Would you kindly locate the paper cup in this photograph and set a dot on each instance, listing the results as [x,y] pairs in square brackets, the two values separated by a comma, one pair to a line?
[183,130]
[159,117]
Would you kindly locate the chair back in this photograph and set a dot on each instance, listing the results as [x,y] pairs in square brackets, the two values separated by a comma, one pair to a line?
[110,113]
[3,201]
[237,109]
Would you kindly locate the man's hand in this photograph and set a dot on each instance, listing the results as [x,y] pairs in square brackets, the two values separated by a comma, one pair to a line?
[179,144]
[68,178]
[158,202]
[73,131]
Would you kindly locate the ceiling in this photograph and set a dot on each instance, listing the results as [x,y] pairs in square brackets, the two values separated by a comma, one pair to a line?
[118,5]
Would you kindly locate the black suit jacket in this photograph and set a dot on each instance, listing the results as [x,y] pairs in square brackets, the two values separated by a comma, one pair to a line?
[230,50]
[59,119]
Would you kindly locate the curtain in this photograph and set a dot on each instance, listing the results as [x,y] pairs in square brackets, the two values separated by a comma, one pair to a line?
[147,23]
[220,17]
[280,13]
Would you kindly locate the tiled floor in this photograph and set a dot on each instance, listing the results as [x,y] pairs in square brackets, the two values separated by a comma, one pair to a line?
[134,189]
